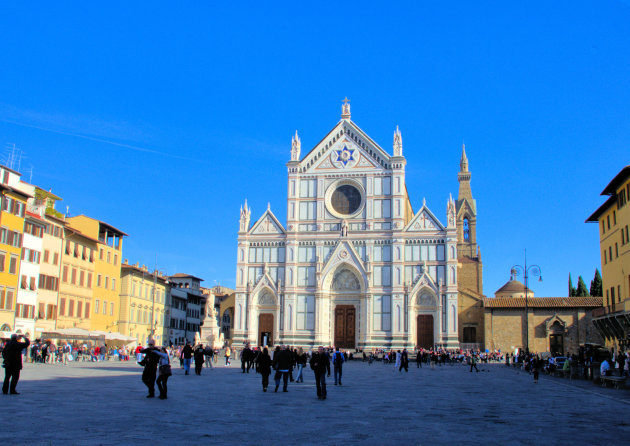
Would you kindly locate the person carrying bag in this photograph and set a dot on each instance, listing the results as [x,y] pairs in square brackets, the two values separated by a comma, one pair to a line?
[164,371]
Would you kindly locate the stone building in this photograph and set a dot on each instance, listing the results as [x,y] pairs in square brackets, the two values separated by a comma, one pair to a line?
[554,324]
[355,266]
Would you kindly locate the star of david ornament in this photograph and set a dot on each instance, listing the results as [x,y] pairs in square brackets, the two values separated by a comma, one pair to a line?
[344,156]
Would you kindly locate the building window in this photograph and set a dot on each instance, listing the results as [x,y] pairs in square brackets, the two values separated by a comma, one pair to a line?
[71,308]
[109,257]
[466,230]
[89,280]
[305,313]
[98,280]
[13,264]
[382,313]
[616,251]
[104,307]
[87,310]
[79,308]
[610,252]
[62,306]
[56,258]
[73,279]
[81,277]
[113,283]
[46,255]
[3,259]
[614,218]
[96,305]
[470,334]
[106,282]
[111,308]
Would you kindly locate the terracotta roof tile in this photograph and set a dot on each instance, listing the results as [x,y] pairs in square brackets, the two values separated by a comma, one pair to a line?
[542,302]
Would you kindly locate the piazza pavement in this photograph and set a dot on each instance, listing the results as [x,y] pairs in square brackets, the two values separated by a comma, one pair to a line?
[105,404]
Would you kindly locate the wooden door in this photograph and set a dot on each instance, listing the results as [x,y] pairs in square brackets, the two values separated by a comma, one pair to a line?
[425,331]
[265,329]
[345,322]
[556,344]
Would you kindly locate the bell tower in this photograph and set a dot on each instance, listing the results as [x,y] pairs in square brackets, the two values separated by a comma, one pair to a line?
[469,266]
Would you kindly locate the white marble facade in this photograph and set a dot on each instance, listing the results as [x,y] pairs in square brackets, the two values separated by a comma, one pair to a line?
[354,265]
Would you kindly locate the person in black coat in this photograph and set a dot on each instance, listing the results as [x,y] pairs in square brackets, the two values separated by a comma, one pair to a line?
[263,363]
[199,358]
[282,363]
[320,363]
[12,354]
[149,373]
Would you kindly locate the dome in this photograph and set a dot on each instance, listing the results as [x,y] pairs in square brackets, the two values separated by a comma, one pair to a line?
[513,288]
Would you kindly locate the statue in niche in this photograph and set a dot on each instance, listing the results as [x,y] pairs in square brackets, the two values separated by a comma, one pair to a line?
[345,280]
[344,228]
[266,298]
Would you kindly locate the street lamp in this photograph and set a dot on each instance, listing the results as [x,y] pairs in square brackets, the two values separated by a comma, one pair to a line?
[526,271]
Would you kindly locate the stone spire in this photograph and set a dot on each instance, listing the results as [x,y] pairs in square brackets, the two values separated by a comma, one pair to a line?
[398,147]
[463,164]
[246,214]
[345,109]
[296,147]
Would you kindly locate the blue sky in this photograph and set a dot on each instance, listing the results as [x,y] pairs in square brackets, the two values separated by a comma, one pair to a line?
[161,119]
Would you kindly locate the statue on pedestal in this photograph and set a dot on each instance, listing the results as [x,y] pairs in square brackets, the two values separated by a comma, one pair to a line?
[210,332]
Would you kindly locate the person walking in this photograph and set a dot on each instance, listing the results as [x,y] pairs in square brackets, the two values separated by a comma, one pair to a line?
[12,355]
[320,365]
[419,359]
[282,363]
[536,368]
[398,359]
[163,372]
[473,362]
[208,353]
[245,358]
[338,361]
[300,363]
[228,353]
[199,358]
[150,367]
[264,367]
[187,353]
[404,361]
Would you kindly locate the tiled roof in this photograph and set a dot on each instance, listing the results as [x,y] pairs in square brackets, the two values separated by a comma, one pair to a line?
[182,275]
[542,302]
[513,286]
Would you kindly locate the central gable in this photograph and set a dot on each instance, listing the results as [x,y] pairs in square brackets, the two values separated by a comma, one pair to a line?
[424,220]
[268,224]
[345,147]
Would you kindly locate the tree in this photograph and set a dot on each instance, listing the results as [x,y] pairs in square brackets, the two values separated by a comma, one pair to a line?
[582,291]
[572,291]
[596,285]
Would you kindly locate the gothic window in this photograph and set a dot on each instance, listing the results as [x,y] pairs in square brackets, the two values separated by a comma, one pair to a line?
[345,280]
[382,313]
[466,230]
[266,298]
[346,199]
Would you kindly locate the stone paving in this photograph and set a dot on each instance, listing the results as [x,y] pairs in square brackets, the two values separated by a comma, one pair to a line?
[105,404]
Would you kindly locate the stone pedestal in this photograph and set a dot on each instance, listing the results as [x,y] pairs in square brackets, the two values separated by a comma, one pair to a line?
[210,334]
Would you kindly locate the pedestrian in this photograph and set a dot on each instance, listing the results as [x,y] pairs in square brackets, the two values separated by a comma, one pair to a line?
[228,352]
[300,363]
[404,361]
[282,362]
[473,362]
[12,355]
[320,365]
[199,358]
[264,367]
[419,359]
[338,361]
[164,371]
[245,361]
[536,368]
[398,359]
[208,353]
[187,353]
[150,367]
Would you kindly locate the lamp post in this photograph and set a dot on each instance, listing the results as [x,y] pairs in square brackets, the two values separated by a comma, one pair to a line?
[153,322]
[526,271]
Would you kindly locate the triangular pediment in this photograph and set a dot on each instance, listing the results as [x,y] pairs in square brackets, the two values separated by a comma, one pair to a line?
[465,207]
[344,253]
[265,282]
[424,220]
[346,147]
[267,224]
[423,281]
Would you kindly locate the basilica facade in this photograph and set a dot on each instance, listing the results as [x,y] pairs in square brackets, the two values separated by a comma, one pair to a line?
[354,266]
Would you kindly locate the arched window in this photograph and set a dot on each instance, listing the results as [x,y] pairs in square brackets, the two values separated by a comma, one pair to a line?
[398,317]
[289,317]
[466,230]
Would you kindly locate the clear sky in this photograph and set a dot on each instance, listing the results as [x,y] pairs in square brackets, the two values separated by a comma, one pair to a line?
[162,118]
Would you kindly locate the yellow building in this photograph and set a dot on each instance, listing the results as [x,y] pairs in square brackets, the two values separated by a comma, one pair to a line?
[106,283]
[613,218]
[143,293]
[77,276]
[11,233]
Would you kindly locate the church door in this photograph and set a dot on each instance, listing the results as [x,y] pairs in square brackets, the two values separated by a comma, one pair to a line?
[344,326]
[556,344]
[265,329]
[425,331]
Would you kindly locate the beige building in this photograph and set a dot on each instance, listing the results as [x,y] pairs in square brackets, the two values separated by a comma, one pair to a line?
[613,218]
[77,275]
[548,324]
[143,293]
